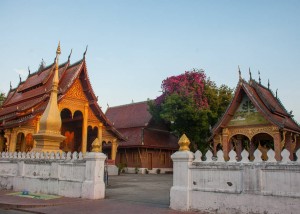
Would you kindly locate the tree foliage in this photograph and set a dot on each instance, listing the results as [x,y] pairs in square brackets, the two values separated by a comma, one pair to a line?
[191,104]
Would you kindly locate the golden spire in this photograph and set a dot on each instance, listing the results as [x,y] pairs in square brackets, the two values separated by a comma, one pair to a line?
[58,48]
[48,138]
[184,143]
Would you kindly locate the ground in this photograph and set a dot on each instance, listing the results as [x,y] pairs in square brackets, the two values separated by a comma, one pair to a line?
[127,193]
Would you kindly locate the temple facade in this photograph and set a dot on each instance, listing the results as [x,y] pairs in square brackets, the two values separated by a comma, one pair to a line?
[82,120]
[255,119]
[148,146]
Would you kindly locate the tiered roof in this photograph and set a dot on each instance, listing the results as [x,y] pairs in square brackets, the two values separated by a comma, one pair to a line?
[31,96]
[268,105]
[135,123]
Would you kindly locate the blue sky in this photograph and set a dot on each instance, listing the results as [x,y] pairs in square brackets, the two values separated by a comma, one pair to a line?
[134,45]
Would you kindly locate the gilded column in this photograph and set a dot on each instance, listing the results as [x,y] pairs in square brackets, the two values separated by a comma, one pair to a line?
[13,141]
[114,146]
[277,145]
[84,128]
[100,127]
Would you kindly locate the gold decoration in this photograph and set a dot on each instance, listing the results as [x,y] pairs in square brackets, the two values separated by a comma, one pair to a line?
[96,146]
[76,91]
[58,48]
[184,143]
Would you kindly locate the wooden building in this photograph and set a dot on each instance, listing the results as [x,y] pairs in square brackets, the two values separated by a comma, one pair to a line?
[82,119]
[149,145]
[254,119]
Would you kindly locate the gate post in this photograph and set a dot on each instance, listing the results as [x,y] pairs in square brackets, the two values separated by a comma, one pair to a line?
[180,191]
[94,187]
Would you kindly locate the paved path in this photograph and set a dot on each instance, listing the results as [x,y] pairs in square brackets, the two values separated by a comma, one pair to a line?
[127,193]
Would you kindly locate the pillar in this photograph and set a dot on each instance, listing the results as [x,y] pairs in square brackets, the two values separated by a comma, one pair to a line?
[114,146]
[180,191]
[277,145]
[94,187]
[84,128]
[226,145]
[100,126]
[13,141]
[289,145]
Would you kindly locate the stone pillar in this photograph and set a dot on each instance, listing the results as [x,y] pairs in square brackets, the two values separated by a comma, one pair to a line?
[180,191]
[277,145]
[84,128]
[100,127]
[94,187]
[114,146]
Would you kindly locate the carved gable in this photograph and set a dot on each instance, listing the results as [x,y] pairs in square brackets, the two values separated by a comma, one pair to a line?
[247,114]
[76,92]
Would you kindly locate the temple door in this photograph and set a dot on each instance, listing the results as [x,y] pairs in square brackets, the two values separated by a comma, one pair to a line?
[149,161]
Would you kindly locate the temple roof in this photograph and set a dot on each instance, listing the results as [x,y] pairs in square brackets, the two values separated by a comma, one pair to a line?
[135,123]
[31,96]
[130,115]
[268,105]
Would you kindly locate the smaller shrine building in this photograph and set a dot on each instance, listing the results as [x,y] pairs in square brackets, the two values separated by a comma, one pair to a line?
[254,119]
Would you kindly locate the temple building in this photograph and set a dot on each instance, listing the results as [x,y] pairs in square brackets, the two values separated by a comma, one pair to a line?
[82,120]
[254,119]
[149,145]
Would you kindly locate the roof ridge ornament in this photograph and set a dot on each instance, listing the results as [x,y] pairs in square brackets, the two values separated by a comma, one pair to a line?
[269,84]
[85,51]
[70,55]
[259,77]
[28,71]
[276,93]
[240,74]
[250,74]
[10,85]
[20,78]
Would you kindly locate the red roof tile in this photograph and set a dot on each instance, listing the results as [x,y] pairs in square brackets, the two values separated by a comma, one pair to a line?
[130,115]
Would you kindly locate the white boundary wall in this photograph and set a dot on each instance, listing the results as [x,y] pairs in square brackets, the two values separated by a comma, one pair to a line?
[216,186]
[70,175]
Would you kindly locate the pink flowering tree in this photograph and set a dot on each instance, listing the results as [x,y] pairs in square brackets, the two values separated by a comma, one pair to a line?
[189,104]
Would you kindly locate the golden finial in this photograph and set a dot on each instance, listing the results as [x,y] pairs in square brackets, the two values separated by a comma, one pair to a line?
[58,48]
[96,146]
[184,143]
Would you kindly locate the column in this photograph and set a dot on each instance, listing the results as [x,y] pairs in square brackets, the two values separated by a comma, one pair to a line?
[13,141]
[36,130]
[100,127]
[289,145]
[84,128]
[114,146]
[226,146]
[277,145]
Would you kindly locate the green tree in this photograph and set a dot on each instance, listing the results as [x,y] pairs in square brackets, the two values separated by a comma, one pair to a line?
[191,104]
